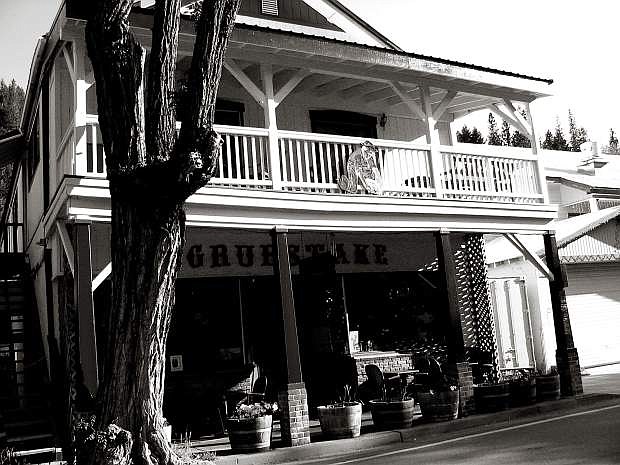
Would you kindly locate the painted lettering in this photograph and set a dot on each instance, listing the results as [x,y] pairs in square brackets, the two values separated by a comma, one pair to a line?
[360,254]
[245,255]
[267,255]
[195,257]
[219,256]
[380,258]
[341,255]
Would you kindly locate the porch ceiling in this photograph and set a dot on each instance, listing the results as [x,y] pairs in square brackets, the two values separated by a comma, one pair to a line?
[477,86]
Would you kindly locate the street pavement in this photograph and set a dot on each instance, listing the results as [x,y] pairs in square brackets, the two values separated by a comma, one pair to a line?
[590,437]
[605,383]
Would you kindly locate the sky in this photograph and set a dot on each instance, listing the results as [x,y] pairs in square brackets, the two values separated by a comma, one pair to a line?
[570,41]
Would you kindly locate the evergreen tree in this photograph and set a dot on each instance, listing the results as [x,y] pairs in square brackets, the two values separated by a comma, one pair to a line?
[505,134]
[476,136]
[11,104]
[465,135]
[547,144]
[559,142]
[577,135]
[494,137]
[613,143]
[520,140]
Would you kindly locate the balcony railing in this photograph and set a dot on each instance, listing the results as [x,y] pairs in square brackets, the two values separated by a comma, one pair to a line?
[309,162]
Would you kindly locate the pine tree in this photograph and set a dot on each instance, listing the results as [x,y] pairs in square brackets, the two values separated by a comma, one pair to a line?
[613,143]
[11,104]
[464,135]
[494,138]
[577,135]
[548,142]
[467,136]
[505,134]
[520,140]
[476,136]
[559,142]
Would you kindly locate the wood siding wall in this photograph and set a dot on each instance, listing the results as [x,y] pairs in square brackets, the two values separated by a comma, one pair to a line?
[292,11]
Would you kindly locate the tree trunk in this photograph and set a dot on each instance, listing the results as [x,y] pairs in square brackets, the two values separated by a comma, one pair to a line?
[151,174]
[132,388]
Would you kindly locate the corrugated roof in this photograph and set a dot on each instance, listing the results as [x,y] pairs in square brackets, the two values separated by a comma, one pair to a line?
[419,56]
[566,231]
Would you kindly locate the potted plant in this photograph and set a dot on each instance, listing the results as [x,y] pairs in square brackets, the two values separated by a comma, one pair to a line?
[492,395]
[249,427]
[394,409]
[342,419]
[522,388]
[548,385]
[439,395]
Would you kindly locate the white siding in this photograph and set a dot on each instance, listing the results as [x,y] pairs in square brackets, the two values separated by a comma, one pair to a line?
[593,298]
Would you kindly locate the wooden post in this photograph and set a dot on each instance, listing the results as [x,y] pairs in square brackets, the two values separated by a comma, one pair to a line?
[80,86]
[282,269]
[85,307]
[447,270]
[566,355]
[542,179]
[432,138]
[292,399]
[457,365]
[271,125]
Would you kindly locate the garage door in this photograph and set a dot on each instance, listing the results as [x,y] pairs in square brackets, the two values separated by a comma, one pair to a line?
[593,297]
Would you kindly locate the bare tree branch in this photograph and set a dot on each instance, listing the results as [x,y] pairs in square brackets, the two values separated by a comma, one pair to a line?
[161,121]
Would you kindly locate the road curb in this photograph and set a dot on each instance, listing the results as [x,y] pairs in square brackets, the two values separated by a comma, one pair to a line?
[421,431]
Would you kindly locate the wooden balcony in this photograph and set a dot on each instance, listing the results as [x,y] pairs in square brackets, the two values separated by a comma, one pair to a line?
[313,163]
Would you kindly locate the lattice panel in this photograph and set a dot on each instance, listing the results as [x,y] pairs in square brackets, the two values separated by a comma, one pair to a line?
[480,296]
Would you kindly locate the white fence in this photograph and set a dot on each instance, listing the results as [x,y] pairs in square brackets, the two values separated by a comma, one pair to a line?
[311,162]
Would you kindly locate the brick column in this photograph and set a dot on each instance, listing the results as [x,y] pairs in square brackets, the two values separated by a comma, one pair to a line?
[294,420]
[293,399]
[566,355]
[457,366]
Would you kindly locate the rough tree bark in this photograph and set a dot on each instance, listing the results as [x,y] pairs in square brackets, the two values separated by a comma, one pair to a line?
[151,173]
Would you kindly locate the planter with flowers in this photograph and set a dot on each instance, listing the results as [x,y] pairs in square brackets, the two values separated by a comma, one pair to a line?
[249,427]
[439,396]
[341,419]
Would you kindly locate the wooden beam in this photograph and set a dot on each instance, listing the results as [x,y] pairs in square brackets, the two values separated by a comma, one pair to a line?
[69,63]
[234,69]
[378,95]
[271,125]
[334,86]
[290,85]
[432,138]
[359,89]
[542,179]
[447,271]
[407,100]
[532,257]
[102,276]
[444,104]
[83,291]
[517,117]
[65,240]
[495,108]
[282,271]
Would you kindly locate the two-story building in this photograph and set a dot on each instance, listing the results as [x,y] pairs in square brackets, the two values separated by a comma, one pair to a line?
[308,246]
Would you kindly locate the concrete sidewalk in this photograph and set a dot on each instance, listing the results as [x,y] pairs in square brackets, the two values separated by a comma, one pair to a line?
[423,431]
[604,383]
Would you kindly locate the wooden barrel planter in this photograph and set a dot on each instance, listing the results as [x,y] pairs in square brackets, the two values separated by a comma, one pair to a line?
[522,392]
[439,405]
[249,434]
[547,387]
[341,420]
[492,397]
[392,414]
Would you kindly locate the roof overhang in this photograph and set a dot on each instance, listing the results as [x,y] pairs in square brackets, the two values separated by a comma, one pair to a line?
[12,148]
